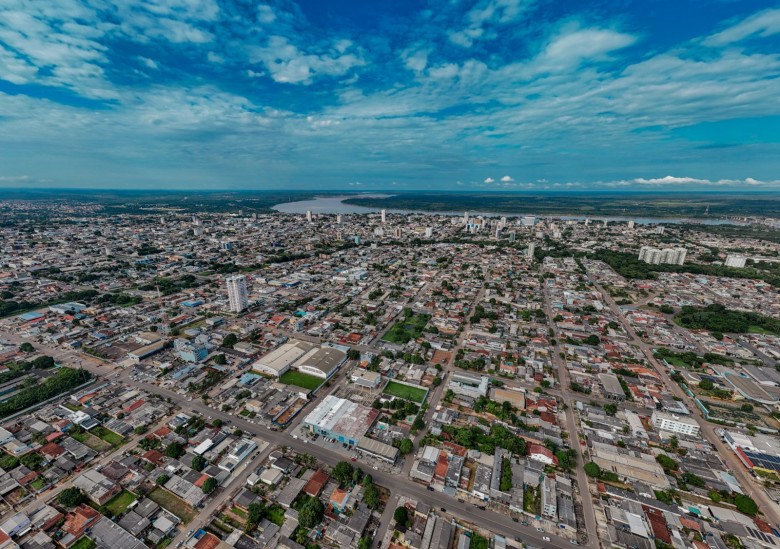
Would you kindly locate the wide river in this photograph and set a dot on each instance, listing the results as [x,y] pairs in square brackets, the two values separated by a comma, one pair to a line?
[335,205]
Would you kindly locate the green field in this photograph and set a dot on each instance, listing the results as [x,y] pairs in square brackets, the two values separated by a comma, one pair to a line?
[299,379]
[120,502]
[83,543]
[276,514]
[109,436]
[405,392]
[172,503]
[90,440]
[409,327]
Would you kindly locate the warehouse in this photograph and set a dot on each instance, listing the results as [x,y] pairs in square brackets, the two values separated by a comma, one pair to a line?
[321,361]
[278,361]
[341,419]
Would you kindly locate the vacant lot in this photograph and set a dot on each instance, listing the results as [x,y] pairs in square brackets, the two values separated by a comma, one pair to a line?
[109,436]
[410,326]
[172,503]
[120,502]
[84,543]
[413,394]
[88,439]
[299,379]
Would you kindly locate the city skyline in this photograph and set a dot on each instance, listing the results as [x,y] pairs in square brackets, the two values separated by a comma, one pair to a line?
[506,95]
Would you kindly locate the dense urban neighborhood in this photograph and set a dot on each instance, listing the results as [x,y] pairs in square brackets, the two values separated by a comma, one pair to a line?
[254,379]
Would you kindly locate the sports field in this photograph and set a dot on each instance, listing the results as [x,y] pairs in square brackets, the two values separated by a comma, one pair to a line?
[299,379]
[413,394]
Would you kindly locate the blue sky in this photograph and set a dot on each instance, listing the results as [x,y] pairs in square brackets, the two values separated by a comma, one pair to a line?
[400,95]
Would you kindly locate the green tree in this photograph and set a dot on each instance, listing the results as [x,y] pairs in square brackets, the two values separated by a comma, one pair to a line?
[610,409]
[365,542]
[71,497]
[162,479]
[746,505]
[592,469]
[26,347]
[342,472]
[43,362]
[198,463]
[311,513]
[706,385]
[174,450]
[401,516]
[405,446]
[666,462]
[257,512]
[209,485]
[371,497]
[220,359]
[229,341]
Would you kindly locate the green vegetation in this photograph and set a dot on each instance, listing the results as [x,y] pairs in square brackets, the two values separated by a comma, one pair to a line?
[506,475]
[84,543]
[592,469]
[478,542]
[120,502]
[209,485]
[689,359]
[718,318]
[109,436]
[410,327]
[71,497]
[299,379]
[746,505]
[275,514]
[172,503]
[8,462]
[63,381]
[475,438]
[311,513]
[667,463]
[401,517]
[407,392]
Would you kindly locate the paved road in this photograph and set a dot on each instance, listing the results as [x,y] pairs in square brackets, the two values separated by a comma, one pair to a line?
[765,504]
[588,511]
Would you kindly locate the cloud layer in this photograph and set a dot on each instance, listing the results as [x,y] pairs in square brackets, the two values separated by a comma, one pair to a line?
[223,93]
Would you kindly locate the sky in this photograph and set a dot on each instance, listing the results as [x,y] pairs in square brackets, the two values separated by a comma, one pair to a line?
[390,95]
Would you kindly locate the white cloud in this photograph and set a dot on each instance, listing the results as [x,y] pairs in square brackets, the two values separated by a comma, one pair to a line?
[490,180]
[570,48]
[287,64]
[486,14]
[762,24]
[672,180]
[149,63]
[265,14]
[507,179]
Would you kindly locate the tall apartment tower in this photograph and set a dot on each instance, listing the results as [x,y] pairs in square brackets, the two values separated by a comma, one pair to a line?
[308,216]
[237,293]
[383,213]
[466,218]
[338,219]
[531,249]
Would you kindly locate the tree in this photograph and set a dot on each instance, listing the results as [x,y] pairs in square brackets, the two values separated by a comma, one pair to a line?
[746,505]
[666,462]
[747,407]
[365,542]
[220,359]
[353,354]
[342,472]
[209,485]
[610,409]
[238,433]
[706,385]
[26,347]
[71,497]
[401,516]
[592,469]
[31,461]
[371,497]
[229,341]
[311,513]
[162,479]
[405,446]
[43,362]
[257,512]
[174,450]
[217,423]
[674,442]
[198,463]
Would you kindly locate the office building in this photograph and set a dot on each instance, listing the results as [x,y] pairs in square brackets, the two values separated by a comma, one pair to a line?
[383,215]
[338,219]
[675,424]
[528,220]
[237,293]
[631,224]
[466,218]
[308,216]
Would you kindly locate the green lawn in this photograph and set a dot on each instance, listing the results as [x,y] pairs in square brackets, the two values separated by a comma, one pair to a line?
[39,483]
[299,379]
[478,542]
[406,392]
[172,503]
[109,436]
[275,514]
[83,543]
[92,441]
[409,327]
[120,502]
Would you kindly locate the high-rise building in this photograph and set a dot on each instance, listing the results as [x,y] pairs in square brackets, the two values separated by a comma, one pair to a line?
[466,218]
[631,224]
[667,256]
[512,236]
[397,232]
[428,232]
[528,220]
[338,219]
[734,260]
[237,293]
[383,214]
[530,252]
[308,216]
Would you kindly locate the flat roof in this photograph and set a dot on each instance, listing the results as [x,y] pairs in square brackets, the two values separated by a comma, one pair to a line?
[283,356]
[342,416]
[377,448]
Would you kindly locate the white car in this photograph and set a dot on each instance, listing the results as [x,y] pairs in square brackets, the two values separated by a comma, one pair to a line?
[546,538]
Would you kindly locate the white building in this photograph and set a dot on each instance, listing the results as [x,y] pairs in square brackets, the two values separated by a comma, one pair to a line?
[383,214]
[366,378]
[666,256]
[733,260]
[237,293]
[675,424]
[469,386]
[530,252]
[278,361]
[321,361]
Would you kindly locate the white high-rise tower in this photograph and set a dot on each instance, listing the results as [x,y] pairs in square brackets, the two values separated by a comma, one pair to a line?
[237,293]
[383,213]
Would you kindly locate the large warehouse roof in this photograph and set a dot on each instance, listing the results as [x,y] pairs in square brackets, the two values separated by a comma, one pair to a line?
[342,416]
[282,357]
[324,359]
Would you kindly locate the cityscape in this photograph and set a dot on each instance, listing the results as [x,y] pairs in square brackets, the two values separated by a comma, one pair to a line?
[267,379]
[337,274]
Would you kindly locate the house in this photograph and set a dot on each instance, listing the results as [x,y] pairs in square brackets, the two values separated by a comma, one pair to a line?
[542,454]
[96,486]
[316,483]
[339,500]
